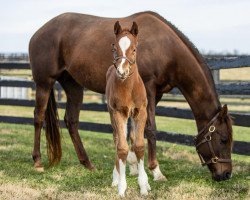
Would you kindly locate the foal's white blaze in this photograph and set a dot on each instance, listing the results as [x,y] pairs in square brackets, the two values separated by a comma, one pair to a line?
[122,184]
[143,179]
[124,44]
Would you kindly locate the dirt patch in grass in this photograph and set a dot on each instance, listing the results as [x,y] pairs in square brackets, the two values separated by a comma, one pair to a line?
[6,147]
[18,191]
[180,155]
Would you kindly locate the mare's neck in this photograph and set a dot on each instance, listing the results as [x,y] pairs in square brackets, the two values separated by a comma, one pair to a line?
[199,90]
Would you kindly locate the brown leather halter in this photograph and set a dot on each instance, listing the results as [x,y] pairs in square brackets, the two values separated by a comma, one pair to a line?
[209,130]
[116,57]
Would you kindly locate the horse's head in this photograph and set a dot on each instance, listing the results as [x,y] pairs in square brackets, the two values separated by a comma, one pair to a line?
[214,145]
[125,49]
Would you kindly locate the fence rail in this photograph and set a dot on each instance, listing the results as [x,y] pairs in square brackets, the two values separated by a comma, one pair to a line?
[215,64]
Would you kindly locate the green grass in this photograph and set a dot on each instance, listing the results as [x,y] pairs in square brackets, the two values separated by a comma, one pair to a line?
[69,180]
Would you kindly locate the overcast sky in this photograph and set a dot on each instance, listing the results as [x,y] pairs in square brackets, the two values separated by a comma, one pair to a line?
[212,25]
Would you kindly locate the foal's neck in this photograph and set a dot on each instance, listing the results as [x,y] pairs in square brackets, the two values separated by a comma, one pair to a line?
[200,92]
[130,80]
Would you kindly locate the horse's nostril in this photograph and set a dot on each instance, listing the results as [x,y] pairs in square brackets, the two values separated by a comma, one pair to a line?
[217,178]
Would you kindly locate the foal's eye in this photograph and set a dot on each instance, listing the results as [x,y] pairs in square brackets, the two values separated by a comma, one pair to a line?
[134,50]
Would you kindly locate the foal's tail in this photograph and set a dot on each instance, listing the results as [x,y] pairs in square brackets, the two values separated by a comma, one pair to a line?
[52,131]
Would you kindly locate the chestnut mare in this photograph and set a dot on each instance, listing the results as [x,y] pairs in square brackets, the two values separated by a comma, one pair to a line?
[126,97]
[73,49]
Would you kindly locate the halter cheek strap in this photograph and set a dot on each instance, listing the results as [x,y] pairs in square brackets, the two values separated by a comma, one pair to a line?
[116,57]
[207,138]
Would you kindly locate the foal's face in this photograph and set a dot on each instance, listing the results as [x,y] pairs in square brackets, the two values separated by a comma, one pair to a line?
[126,43]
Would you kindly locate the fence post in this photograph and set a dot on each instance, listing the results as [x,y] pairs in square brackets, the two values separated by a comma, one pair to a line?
[59,94]
[216,76]
[103,99]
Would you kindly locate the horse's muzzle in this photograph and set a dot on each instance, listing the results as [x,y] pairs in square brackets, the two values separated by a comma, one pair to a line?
[225,176]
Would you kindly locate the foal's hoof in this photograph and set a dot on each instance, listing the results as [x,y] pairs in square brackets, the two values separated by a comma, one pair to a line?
[38,166]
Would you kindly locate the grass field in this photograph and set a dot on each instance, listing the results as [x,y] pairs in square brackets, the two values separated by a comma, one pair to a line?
[186,179]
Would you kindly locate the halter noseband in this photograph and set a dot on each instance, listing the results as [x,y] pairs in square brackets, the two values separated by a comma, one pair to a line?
[116,57]
[209,129]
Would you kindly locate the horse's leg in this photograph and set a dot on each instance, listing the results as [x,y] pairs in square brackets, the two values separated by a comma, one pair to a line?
[74,93]
[138,146]
[150,131]
[119,123]
[132,160]
[42,97]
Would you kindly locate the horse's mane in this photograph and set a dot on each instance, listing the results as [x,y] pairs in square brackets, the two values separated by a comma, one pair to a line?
[229,122]
[183,38]
[193,49]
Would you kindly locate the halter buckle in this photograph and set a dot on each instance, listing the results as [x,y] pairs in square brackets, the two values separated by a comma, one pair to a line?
[211,129]
[208,138]
[214,160]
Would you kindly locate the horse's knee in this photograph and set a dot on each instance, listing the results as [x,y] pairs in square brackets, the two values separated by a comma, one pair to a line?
[139,149]
[38,119]
[70,123]
[122,152]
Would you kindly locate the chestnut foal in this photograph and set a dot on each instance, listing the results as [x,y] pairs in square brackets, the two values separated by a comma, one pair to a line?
[126,97]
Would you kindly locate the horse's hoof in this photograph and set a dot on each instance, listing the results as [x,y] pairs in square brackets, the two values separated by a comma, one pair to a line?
[92,168]
[88,165]
[161,178]
[158,176]
[144,192]
[133,170]
[39,169]
[38,166]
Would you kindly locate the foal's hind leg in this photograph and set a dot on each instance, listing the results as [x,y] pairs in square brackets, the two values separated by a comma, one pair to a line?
[74,94]
[138,146]
[42,96]
[132,160]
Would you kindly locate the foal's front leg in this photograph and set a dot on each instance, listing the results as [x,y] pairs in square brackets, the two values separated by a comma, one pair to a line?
[139,148]
[119,123]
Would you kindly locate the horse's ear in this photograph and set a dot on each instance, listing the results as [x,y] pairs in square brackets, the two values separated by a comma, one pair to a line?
[134,29]
[117,28]
[223,112]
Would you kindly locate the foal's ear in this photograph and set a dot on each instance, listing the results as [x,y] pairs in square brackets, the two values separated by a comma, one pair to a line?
[117,28]
[223,112]
[134,29]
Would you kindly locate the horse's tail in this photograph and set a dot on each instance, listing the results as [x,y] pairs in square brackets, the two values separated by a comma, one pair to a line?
[52,131]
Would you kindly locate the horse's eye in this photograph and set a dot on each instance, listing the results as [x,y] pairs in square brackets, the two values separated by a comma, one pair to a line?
[224,140]
[134,50]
